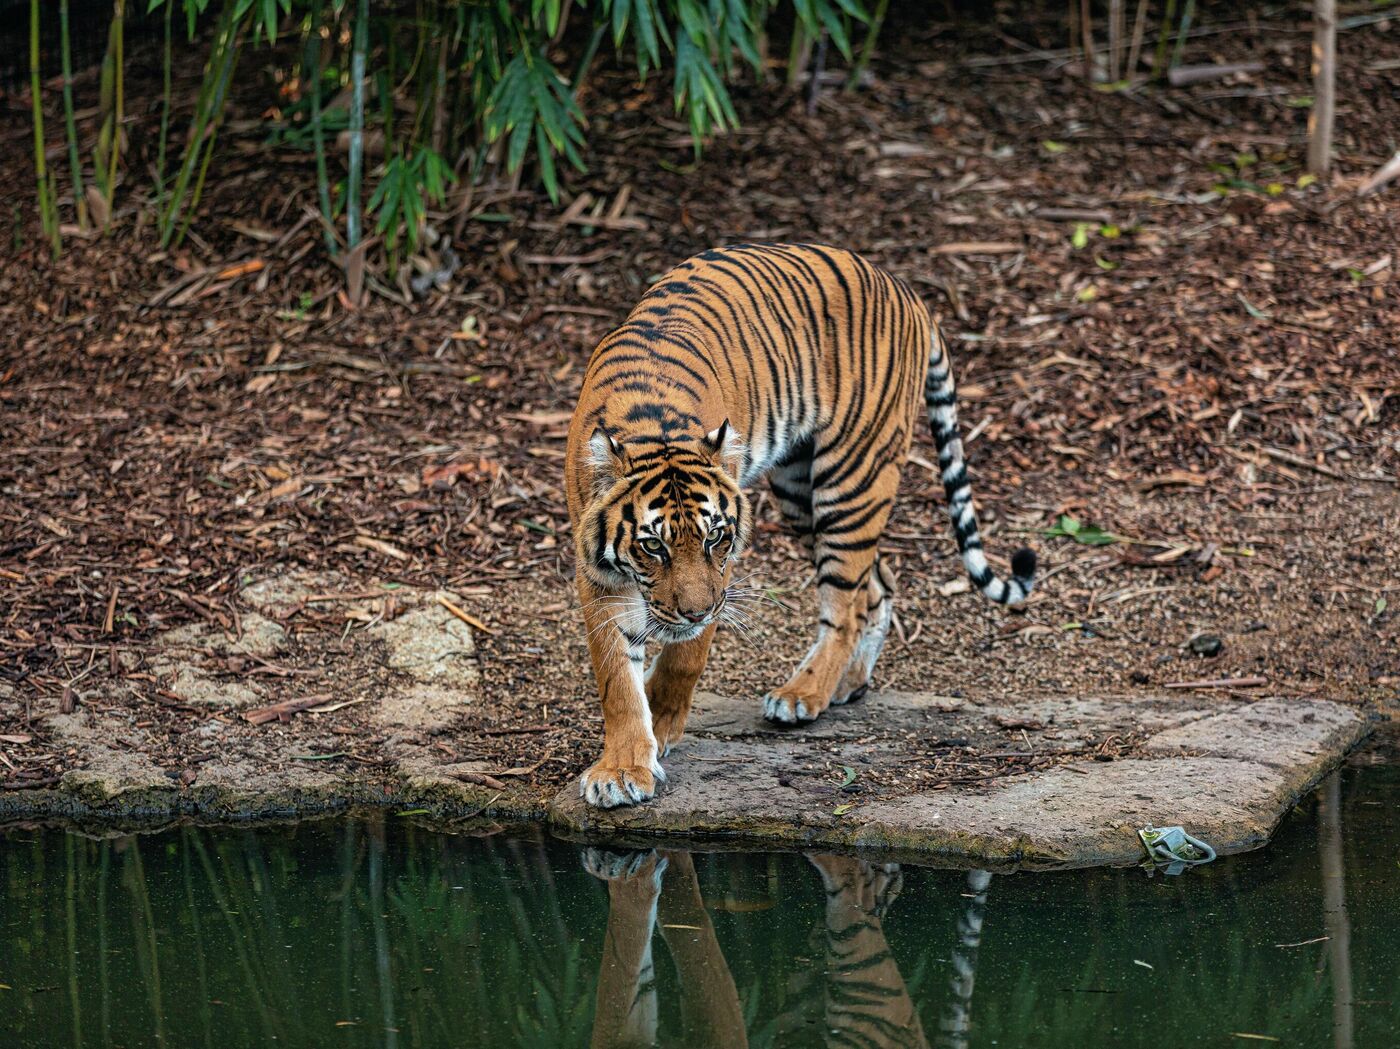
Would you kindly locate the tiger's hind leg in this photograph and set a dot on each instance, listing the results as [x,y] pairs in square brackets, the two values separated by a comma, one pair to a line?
[847,525]
[879,612]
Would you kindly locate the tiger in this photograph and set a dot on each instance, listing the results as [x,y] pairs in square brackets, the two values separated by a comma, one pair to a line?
[864,999]
[798,362]
[867,1000]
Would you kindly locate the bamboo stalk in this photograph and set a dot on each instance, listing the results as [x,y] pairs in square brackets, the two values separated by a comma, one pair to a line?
[440,94]
[1072,20]
[1159,58]
[216,72]
[1086,26]
[1135,48]
[217,105]
[114,152]
[75,165]
[164,110]
[357,125]
[814,81]
[586,62]
[867,48]
[1324,71]
[1115,40]
[799,54]
[318,135]
[1187,16]
[47,216]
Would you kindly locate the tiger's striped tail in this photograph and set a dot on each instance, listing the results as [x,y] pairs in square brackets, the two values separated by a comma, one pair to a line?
[940,396]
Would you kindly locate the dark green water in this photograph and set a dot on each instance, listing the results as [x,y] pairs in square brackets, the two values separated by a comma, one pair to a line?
[383,934]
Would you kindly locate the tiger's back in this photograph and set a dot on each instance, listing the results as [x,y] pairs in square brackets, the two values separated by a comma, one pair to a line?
[797,336]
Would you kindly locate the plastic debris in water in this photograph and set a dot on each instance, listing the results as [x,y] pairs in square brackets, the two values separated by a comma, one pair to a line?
[1172,850]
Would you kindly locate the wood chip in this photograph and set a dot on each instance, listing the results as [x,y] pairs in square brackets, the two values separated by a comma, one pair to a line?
[379,546]
[240,269]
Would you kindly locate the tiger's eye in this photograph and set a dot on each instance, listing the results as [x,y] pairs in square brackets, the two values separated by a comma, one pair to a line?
[653,546]
[715,534]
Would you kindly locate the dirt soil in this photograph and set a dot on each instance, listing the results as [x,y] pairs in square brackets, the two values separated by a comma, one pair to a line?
[1159,329]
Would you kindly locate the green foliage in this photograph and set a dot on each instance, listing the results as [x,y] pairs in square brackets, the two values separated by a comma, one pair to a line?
[832,16]
[460,85]
[406,187]
[532,103]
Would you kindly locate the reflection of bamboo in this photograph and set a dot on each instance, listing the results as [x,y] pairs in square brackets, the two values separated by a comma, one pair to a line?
[70,911]
[956,1025]
[201,965]
[144,926]
[383,963]
[1334,908]
[238,936]
[348,863]
[104,982]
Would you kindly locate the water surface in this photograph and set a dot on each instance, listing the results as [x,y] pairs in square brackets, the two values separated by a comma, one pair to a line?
[358,934]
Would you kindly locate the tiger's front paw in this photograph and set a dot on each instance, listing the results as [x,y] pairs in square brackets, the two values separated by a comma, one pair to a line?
[622,866]
[607,786]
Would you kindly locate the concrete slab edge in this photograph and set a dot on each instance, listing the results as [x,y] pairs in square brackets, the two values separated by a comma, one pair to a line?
[144,807]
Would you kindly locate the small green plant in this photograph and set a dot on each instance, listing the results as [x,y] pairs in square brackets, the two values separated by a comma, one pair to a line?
[1084,231]
[1068,527]
[400,201]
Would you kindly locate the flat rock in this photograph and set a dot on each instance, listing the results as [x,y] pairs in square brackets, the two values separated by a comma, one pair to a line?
[1226,771]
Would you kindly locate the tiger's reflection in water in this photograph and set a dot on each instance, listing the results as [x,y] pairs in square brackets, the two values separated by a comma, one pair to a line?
[865,1003]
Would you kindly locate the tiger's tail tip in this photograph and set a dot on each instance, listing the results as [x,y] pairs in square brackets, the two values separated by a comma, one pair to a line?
[1023,565]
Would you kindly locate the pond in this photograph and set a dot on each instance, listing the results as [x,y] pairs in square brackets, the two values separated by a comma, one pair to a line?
[383,933]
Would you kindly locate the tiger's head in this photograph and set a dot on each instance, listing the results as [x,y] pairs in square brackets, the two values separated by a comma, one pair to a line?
[668,519]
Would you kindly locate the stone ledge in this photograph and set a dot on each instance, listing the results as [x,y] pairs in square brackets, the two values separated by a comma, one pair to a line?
[1227,771]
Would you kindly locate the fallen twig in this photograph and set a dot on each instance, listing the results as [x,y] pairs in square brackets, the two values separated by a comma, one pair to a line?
[1387,172]
[1182,76]
[284,710]
[481,779]
[465,616]
[978,247]
[1220,682]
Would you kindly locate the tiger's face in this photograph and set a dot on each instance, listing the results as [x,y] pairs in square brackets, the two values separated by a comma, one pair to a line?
[667,520]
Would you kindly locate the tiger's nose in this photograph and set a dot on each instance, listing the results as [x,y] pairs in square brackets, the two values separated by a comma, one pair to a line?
[693,617]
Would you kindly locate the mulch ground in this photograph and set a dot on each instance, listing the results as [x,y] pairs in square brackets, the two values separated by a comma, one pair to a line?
[1157,331]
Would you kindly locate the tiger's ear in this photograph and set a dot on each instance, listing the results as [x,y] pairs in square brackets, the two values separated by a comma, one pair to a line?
[607,456]
[724,446]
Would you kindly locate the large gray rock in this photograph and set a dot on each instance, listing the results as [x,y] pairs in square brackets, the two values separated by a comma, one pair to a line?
[1227,772]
